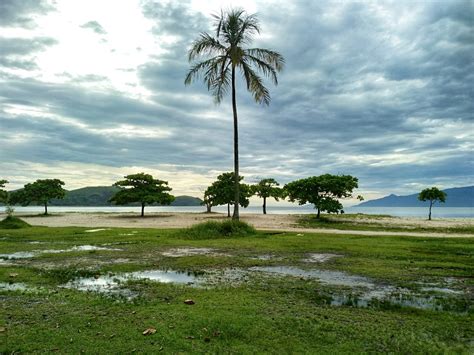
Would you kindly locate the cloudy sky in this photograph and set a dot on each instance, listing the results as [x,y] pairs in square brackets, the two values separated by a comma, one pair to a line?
[92,90]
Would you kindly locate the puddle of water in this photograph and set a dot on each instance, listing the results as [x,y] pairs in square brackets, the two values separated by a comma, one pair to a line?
[5,286]
[95,230]
[17,255]
[329,277]
[320,258]
[110,284]
[31,254]
[441,290]
[180,252]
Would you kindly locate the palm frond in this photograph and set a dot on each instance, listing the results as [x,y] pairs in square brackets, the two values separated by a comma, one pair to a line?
[264,67]
[273,58]
[196,70]
[255,84]
[205,45]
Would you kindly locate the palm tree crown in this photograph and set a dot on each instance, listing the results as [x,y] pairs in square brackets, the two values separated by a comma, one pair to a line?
[225,53]
[233,30]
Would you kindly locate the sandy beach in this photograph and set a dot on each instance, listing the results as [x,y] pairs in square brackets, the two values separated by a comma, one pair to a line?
[277,222]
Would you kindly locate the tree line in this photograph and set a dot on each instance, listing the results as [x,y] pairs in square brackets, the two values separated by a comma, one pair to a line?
[324,192]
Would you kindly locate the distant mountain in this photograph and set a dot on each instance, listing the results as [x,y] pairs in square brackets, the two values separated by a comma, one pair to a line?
[100,195]
[457,197]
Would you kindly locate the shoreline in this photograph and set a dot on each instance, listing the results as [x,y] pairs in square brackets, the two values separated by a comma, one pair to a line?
[273,222]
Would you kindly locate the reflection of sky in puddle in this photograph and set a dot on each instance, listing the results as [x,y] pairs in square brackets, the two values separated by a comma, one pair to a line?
[110,284]
[31,254]
[17,286]
[329,277]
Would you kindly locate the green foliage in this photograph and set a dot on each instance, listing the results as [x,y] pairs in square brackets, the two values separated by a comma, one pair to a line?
[266,188]
[40,191]
[222,191]
[322,191]
[213,230]
[12,222]
[142,188]
[226,51]
[3,193]
[432,194]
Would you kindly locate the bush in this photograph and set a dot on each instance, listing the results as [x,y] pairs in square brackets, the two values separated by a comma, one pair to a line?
[11,222]
[213,230]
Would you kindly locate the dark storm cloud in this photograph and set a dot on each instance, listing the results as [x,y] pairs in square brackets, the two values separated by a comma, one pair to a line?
[379,90]
[95,26]
[21,13]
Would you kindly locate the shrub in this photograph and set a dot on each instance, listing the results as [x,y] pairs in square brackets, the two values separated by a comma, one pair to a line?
[214,230]
[11,222]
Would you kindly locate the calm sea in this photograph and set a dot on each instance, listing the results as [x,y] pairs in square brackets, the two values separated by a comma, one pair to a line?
[442,212]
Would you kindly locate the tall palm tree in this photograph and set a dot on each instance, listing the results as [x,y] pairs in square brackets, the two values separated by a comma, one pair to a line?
[226,53]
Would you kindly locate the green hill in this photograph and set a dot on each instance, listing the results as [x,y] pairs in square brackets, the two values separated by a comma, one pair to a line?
[100,195]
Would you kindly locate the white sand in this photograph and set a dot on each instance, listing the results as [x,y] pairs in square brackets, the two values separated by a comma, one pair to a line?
[277,222]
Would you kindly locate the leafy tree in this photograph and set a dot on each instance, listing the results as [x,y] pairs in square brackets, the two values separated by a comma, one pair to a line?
[266,188]
[209,199]
[40,191]
[223,191]
[223,55]
[322,191]
[3,193]
[144,189]
[432,195]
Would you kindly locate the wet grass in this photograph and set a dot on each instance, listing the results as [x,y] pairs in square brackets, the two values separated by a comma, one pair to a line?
[260,315]
[364,222]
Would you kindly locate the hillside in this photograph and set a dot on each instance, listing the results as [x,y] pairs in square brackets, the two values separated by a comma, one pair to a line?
[100,195]
[457,197]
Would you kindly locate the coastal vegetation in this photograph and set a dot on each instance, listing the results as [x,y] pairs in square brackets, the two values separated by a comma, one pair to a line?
[223,55]
[143,189]
[322,191]
[242,307]
[222,192]
[3,193]
[267,188]
[432,195]
[41,191]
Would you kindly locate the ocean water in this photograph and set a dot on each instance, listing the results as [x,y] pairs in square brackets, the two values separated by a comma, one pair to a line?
[437,212]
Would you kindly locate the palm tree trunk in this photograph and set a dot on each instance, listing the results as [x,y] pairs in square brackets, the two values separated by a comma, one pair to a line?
[236,149]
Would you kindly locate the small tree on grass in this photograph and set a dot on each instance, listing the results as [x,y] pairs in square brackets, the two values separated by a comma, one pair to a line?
[432,195]
[322,191]
[144,189]
[223,191]
[3,193]
[40,191]
[266,188]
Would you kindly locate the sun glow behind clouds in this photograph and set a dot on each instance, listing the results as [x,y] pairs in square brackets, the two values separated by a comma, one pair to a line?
[116,54]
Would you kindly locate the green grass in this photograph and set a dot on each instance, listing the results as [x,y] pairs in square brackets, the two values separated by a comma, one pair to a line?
[12,222]
[359,222]
[215,230]
[263,315]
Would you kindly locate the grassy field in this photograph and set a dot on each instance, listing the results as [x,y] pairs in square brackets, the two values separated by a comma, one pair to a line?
[366,222]
[240,309]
